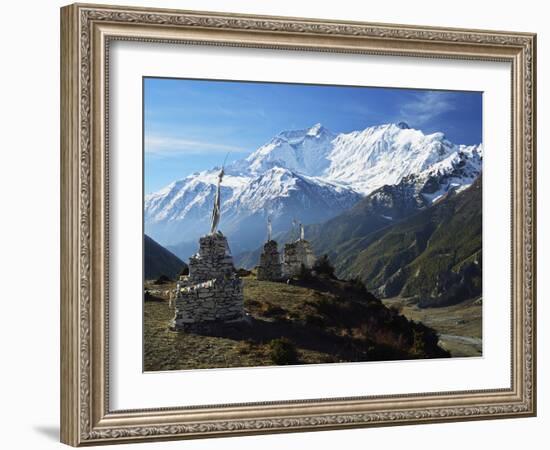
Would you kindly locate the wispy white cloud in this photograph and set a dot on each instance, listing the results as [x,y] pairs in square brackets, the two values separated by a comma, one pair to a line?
[427,106]
[172,146]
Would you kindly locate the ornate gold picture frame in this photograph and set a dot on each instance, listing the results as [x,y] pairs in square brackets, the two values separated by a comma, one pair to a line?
[87,32]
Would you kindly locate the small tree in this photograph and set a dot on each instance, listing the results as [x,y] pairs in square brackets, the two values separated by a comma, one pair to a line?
[304,274]
[282,351]
[322,265]
[358,284]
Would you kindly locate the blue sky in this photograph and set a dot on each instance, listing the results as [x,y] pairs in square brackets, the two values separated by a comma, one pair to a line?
[191,125]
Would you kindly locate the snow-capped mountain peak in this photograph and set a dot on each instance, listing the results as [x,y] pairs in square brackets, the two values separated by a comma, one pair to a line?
[301,151]
[384,155]
[316,130]
[311,174]
[297,136]
[364,160]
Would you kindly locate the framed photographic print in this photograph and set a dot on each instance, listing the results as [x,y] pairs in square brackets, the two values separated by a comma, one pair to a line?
[280,224]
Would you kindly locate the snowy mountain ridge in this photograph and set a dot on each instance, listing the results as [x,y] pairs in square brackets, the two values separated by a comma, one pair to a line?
[362,160]
[310,175]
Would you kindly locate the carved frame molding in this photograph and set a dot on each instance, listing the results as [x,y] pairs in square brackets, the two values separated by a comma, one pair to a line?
[86,32]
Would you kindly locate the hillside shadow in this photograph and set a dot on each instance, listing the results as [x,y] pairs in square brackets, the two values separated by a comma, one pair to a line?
[260,331]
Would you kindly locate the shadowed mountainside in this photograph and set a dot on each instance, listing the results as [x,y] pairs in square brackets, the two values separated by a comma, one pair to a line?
[159,261]
[435,256]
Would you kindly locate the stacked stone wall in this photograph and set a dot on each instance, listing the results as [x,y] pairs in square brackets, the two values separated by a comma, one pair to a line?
[296,254]
[213,260]
[211,301]
[211,293]
[270,267]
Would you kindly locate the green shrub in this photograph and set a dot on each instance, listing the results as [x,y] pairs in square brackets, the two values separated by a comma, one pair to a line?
[314,320]
[282,351]
[270,310]
[396,309]
[323,266]
[357,284]
[304,274]
[245,347]
[384,352]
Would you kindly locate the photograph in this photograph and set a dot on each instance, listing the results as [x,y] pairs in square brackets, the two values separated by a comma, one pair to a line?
[289,224]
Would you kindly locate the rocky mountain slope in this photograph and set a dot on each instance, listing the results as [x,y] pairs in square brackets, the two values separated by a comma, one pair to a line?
[434,256]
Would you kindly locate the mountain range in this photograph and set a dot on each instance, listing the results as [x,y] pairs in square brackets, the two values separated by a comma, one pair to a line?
[433,256]
[438,252]
[338,185]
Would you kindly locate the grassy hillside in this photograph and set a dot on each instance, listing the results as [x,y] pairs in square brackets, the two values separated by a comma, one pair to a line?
[159,261]
[318,320]
[434,256]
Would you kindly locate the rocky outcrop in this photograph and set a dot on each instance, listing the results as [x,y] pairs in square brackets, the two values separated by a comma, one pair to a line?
[270,267]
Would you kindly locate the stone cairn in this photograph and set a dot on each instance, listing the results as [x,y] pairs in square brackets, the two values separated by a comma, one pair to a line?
[270,267]
[211,294]
[296,254]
